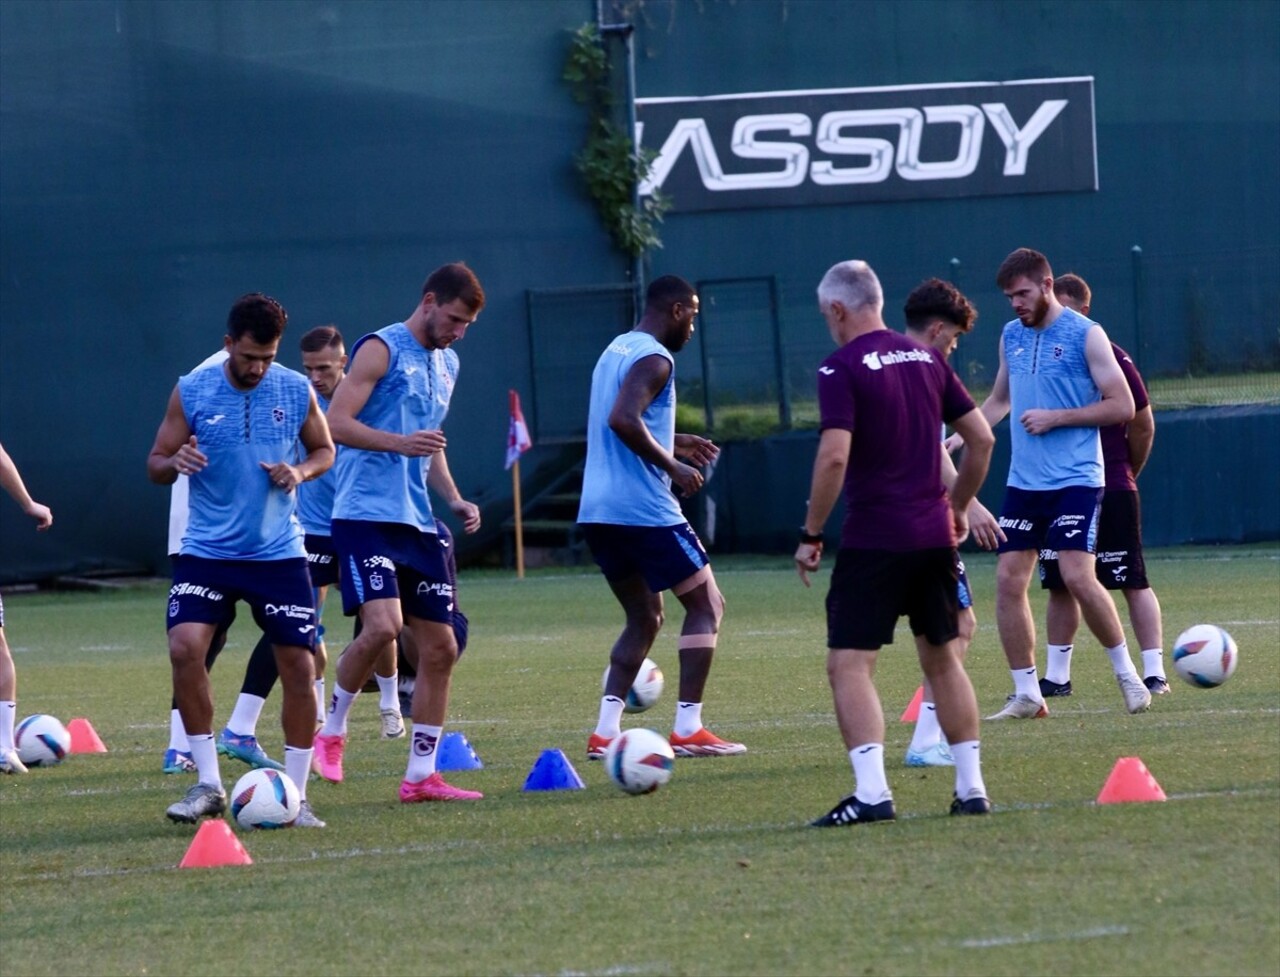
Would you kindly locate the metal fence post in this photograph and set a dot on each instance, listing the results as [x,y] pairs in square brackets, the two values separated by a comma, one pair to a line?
[1138,311]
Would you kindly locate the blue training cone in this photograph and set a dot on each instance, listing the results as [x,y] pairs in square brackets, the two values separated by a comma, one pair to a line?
[553,771]
[456,753]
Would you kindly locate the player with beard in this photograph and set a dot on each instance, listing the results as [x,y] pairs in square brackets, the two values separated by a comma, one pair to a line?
[1061,382]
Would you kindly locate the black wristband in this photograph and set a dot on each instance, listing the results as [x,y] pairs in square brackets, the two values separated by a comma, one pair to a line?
[813,539]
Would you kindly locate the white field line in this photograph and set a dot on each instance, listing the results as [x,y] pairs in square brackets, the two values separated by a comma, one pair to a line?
[1016,940]
[312,855]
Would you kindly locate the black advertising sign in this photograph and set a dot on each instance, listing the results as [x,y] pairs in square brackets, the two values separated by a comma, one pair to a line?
[837,146]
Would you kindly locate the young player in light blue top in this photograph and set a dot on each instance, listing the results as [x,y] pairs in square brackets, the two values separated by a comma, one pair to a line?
[234,432]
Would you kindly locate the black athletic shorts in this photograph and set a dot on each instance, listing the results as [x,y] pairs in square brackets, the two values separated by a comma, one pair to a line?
[871,589]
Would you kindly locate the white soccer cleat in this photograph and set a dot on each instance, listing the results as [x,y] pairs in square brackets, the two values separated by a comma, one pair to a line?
[1137,697]
[1019,706]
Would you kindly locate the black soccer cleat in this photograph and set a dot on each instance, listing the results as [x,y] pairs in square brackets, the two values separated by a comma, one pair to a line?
[972,805]
[1049,690]
[853,811]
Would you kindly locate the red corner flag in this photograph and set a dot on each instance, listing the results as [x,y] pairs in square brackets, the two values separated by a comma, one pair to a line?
[518,441]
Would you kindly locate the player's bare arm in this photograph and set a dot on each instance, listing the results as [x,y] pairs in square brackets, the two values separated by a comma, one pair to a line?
[1141,434]
[995,408]
[1116,405]
[644,381]
[828,479]
[367,368]
[175,451]
[696,450]
[315,437]
[984,527]
[11,481]
[979,443]
[440,480]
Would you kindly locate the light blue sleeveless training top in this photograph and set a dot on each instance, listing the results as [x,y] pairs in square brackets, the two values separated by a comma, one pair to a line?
[235,511]
[1047,369]
[413,395]
[315,498]
[618,486]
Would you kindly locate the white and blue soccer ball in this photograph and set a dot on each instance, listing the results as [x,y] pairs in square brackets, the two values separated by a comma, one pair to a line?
[265,799]
[645,691]
[1205,656]
[639,761]
[41,741]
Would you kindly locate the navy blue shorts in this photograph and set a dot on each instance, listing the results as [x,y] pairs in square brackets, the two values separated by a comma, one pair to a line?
[1061,519]
[871,589]
[1120,565]
[277,591]
[381,560]
[663,555]
[322,560]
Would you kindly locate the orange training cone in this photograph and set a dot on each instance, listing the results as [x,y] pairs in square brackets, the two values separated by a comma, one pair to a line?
[215,845]
[84,738]
[1130,780]
[912,712]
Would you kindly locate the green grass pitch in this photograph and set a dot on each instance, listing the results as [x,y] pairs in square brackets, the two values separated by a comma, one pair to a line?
[716,873]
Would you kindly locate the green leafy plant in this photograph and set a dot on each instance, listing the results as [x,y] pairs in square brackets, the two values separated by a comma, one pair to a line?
[610,163]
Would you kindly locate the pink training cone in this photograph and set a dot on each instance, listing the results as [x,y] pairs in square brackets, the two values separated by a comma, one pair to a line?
[912,712]
[1130,780]
[214,846]
[84,738]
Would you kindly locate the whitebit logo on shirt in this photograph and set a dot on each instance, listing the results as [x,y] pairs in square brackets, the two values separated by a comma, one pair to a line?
[875,361]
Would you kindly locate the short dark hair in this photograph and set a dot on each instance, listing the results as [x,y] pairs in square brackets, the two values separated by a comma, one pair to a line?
[320,338]
[666,291]
[455,281]
[259,316]
[1073,287]
[1023,263]
[935,299]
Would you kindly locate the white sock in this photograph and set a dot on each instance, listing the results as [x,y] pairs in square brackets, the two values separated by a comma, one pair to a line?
[869,783]
[1152,662]
[245,716]
[1120,660]
[320,700]
[205,754]
[1057,664]
[297,767]
[8,710]
[422,752]
[388,691]
[1026,683]
[178,733]
[968,770]
[335,724]
[688,718]
[927,733]
[609,724]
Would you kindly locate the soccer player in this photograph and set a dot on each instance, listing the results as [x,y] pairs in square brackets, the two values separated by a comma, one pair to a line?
[11,481]
[387,415]
[234,431]
[883,399]
[936,314]
[1060,379]
[324,360]
[633,524]
[1120,566]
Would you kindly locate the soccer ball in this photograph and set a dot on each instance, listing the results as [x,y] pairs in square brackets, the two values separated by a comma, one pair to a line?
[1205,656]
[645,691]
[265,799]
[41,741]
[639,761]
